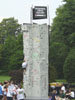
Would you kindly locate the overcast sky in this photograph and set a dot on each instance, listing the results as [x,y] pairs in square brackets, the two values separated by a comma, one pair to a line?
[20,9]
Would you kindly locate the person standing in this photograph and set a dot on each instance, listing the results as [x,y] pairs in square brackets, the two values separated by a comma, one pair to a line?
[53,95]
[63,88]
[1,92]
[9,92]
[20,93]
[5,90]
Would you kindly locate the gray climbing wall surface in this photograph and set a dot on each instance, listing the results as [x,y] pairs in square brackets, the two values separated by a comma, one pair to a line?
[35,43]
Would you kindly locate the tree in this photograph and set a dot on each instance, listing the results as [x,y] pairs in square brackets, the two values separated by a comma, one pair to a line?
[11,45]
[8,50]
[9,26]
[17,56]
[13,53]
[58,53]
[52,74]
[69,66]
[1,49]
[62,34]
[63,23]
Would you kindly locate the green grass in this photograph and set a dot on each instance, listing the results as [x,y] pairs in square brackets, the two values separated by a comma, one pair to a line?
[71,99]
[61,80]
[3,78]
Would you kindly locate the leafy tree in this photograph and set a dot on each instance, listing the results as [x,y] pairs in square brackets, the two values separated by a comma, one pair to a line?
[58,53]
[62,35]
[8,50]
[17,57]
[9,26]
[63,24]
[1,49]
[13,53]
[53,74]
[11,45]
[69,66]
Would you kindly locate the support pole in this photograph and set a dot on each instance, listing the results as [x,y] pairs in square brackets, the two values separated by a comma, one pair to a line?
[31,15]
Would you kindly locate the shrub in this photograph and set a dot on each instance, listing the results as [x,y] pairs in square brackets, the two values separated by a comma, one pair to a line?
[16,76]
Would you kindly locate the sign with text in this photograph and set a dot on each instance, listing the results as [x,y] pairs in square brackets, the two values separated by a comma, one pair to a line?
[39,12]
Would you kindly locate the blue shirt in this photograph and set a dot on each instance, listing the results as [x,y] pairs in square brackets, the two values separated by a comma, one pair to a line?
[50,99]
[1,93]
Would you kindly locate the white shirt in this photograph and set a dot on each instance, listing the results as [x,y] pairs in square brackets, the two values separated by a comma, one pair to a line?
[72,94]
[24,65]
[63,88]
[10,91]
[4,90]
[15,90]
[20,94]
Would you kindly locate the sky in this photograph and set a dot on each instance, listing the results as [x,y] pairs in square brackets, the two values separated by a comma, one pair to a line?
[20,9]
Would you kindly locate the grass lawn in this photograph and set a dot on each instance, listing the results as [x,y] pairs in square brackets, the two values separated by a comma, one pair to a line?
[3,78]
[61,80]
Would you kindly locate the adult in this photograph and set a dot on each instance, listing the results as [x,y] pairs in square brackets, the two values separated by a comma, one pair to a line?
[61,94]
[9,92]
[53,95]
[63,88]
[24,64]
[20,93]
[15,92]
[70,94]
[5,90]
[1,92]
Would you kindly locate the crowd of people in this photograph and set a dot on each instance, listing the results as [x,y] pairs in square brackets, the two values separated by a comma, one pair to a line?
[62,94]
[11,91]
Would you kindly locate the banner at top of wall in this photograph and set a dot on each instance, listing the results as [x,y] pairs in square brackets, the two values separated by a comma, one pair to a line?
[39,12]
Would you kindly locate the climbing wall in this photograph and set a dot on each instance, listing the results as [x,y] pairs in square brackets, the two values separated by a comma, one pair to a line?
[35,43]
